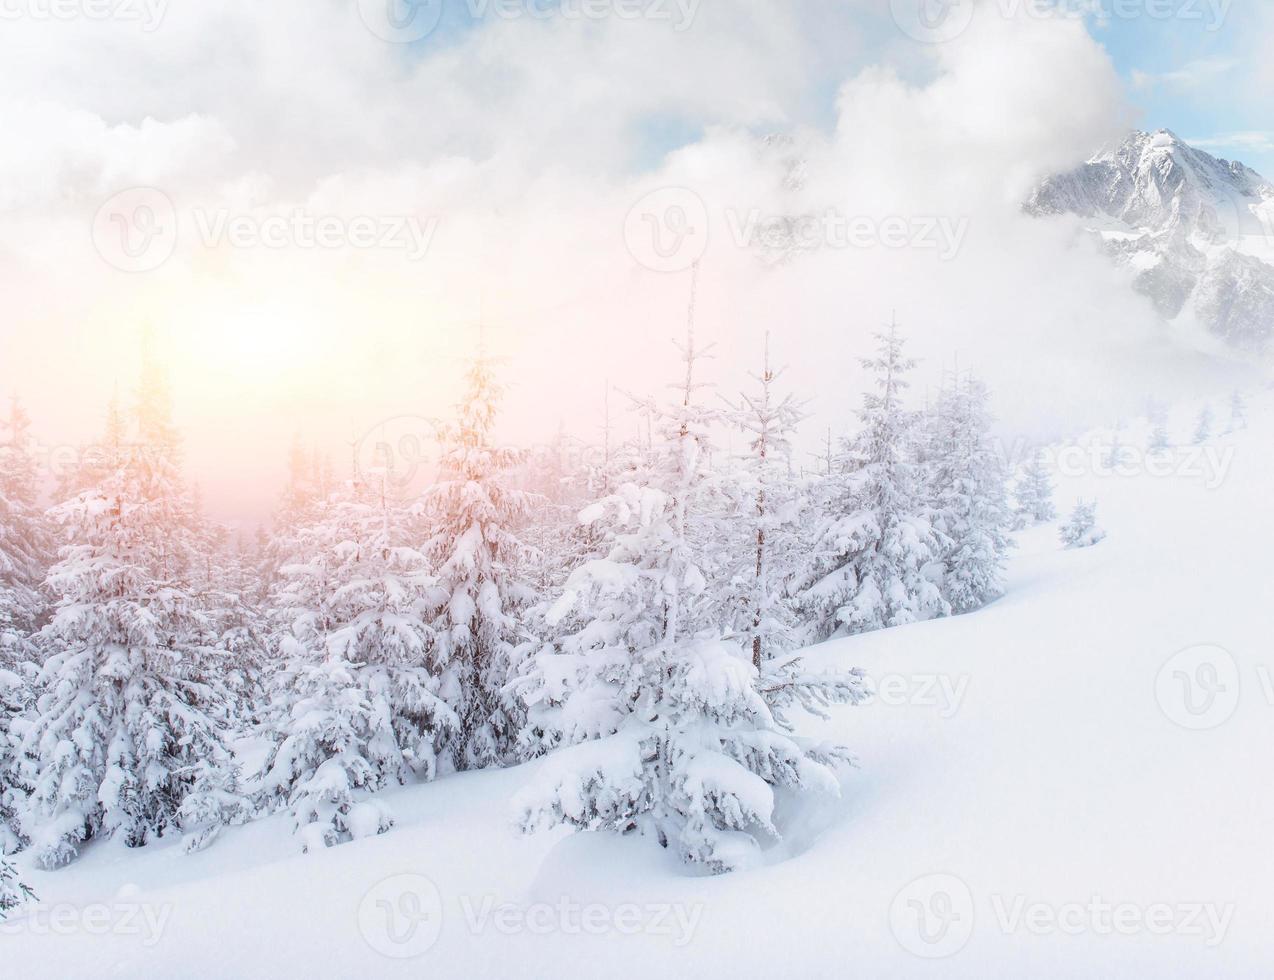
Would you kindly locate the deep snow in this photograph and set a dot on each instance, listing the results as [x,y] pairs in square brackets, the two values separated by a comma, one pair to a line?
[1035,756]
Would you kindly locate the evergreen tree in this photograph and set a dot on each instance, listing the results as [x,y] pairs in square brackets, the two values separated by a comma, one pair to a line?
[1034,493]
[471,515]
[13,892]
[124,739]
[769,510]
[25,543]
[1081,530]
[876,548]
[685,740]
[356,703]
[970,504]
[1238,412]
[1159,439]
[1203,427]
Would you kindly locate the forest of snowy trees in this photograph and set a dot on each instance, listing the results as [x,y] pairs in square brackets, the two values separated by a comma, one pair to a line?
[640,617]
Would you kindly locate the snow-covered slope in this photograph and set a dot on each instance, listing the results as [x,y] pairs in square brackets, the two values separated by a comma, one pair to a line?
[1048,788]
[1198,232]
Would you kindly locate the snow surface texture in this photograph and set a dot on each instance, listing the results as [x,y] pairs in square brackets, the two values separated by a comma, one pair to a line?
[1068,783]
[1198,232]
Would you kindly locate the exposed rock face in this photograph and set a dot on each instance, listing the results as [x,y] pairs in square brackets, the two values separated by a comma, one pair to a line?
[1197,231]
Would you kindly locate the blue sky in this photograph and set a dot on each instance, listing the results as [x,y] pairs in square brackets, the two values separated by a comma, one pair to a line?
[1201,77]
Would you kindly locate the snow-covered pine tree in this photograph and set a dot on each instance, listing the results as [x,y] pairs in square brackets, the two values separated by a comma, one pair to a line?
[355,705]
[1238,412]
[1159,438]
[876,547]
[1034,493]
[471,515]
[1081,530]
[685,740]
[1203,427]
[968,497]
[15,704]
[769,509]
[13,892]
[26,546]
[124,740]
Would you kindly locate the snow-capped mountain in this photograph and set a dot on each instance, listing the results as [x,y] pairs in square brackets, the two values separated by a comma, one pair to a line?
[1196,231]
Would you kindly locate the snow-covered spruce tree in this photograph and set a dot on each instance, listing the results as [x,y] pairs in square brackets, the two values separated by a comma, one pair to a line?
[1034,493]
[124,740]
[876,548]
[766,521]
[355,705]
[968,498]
[1203,427]
[1081,530]
[13,892]
[470,517]
[26,545]
[685,740]
[1238,412]
[1159,438]
[15,704]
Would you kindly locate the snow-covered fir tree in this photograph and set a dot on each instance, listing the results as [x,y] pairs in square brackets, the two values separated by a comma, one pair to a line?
[968,497]
[1081,530]
[1203,425]
[1238,412]
[124,739]
[768,511]
[356,705]
[1034,493]
[471,515]
[25,543]
[876,548]
[686,740]
[13,892]
[1159,438]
